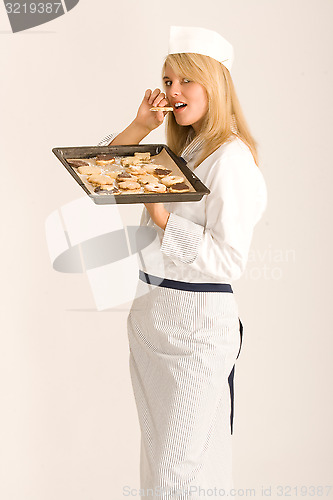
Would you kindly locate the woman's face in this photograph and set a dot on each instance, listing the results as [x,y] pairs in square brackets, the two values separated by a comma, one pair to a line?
[192,94]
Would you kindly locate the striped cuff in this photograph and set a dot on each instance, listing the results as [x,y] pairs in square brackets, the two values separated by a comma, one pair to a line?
[182,239]
[106,141]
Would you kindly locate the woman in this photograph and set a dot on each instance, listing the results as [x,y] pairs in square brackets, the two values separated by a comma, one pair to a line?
[183,327]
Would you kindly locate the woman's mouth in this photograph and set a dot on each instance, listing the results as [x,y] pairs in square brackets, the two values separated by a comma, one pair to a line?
[178,107]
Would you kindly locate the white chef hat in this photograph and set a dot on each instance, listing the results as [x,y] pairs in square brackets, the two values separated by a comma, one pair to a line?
[201,41]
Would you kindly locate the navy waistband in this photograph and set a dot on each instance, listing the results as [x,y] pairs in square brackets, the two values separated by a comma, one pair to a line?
[182,285]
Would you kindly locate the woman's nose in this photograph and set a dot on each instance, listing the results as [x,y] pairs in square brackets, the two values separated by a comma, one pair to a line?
[174,89]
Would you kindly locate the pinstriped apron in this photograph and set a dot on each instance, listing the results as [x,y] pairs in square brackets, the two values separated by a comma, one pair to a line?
[184,339]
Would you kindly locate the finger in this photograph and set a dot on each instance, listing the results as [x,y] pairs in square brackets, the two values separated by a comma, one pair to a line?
[153,96]
[159,99]
[164,103]
[160,115]
[147,94]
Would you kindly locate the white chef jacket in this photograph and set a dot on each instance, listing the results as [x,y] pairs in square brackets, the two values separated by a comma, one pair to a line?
[208,241]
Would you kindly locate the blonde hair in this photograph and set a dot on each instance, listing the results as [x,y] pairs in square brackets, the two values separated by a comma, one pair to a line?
[224,119]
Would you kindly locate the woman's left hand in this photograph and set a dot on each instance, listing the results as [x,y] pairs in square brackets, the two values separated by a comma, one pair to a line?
[158,213]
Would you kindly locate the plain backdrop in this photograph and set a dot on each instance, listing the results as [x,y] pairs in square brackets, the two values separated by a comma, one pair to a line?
[68,421]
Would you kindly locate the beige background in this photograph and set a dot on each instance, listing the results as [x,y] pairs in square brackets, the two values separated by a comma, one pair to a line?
[68,423]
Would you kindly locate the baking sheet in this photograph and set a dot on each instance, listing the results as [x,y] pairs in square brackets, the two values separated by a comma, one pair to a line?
[160,155]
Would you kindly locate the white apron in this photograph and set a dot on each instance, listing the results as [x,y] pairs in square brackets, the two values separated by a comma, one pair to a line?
[183,346]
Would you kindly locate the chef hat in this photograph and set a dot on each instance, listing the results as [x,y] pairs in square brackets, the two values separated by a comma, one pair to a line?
[201,41]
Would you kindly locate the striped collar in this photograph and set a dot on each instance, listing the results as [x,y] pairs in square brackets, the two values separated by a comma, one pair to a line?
[192,147]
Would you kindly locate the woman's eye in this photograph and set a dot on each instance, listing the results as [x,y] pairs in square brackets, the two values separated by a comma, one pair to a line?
[168,83]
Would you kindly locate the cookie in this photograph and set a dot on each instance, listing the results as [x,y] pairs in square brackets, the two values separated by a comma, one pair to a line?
[162,172]
[129,185]
[104,159]
[136,170]
[111,174]
[89,170]
[100,179]
[148,179]
[155,188]
[142,156]
[159,108]
[131,191]
[169,180]
[158,170]
[127,161]
[125,176]
[106,190]
[149,168]
[77,163]
[180,187]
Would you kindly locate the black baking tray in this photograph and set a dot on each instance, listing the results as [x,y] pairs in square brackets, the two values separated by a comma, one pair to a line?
[85,152]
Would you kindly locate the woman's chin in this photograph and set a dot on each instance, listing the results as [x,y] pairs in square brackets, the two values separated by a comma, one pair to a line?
[183,122]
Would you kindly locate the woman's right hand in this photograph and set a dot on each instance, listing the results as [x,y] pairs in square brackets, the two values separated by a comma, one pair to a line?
[151,119]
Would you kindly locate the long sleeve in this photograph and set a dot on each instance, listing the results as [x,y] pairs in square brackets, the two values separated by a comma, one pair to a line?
[237,201]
